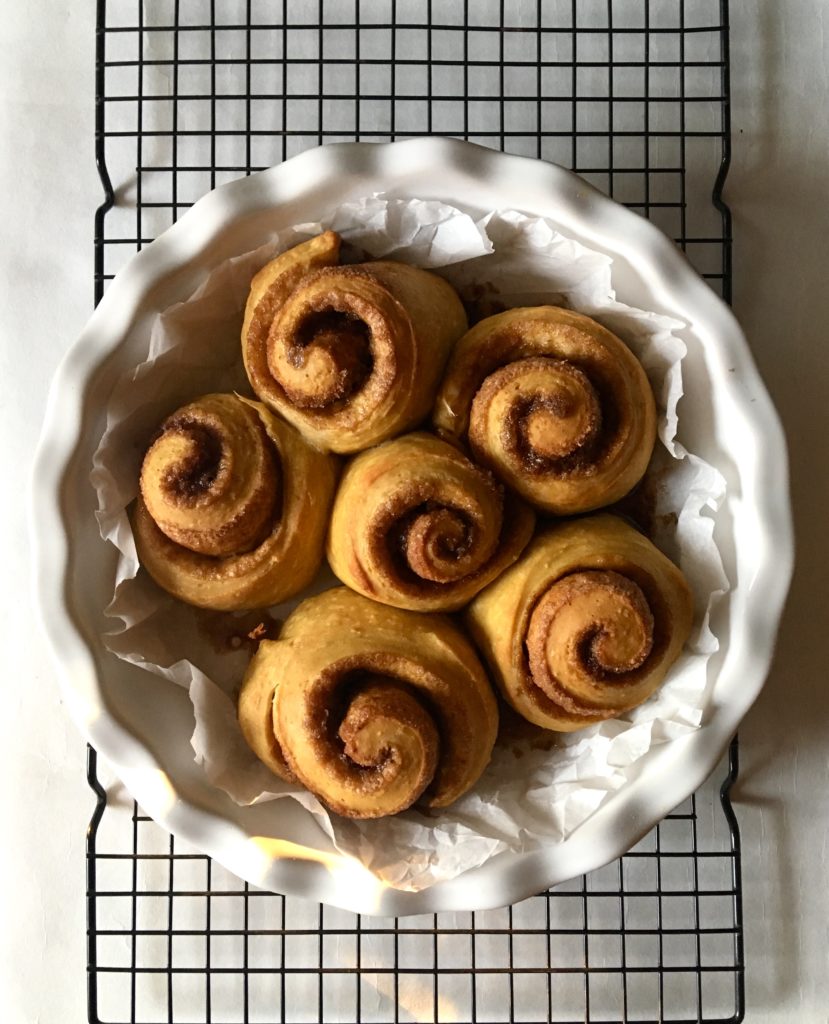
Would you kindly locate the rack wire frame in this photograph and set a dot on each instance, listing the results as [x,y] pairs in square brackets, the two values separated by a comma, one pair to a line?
[633,95]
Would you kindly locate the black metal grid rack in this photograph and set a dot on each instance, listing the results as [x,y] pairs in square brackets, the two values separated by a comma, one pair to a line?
[633,94]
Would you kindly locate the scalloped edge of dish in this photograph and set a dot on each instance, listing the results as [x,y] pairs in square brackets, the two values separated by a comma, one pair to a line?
[620,821]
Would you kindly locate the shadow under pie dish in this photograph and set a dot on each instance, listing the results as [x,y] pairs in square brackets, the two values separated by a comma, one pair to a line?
[649,274]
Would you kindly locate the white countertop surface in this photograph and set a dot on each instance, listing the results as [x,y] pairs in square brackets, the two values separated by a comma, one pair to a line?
[777,191]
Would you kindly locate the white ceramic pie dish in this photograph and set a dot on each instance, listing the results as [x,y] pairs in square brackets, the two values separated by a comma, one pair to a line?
[142,724]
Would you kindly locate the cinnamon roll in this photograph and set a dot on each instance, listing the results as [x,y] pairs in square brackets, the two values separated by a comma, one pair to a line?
[349,355]
[233,506]
[417,525]
[372,708]
[585,626]
[554,404]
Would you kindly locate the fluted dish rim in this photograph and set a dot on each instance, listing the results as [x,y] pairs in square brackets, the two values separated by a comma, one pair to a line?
[295,191]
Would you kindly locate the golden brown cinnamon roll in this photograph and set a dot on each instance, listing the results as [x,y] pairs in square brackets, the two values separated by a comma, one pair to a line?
[417,525]
[556,405]
[349,355]
[372,708]
[233,506]
[586,624]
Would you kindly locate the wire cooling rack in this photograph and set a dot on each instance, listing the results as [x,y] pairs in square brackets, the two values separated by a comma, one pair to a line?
[634,96]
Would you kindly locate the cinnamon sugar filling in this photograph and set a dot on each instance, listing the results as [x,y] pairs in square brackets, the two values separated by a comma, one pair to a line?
[549,415]
[589,628]
[190,482]
[330,354]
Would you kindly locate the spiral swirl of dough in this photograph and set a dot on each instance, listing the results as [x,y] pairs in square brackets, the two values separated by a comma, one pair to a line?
[417,525]
[371,707]
[585,625]
[233,505]
[554,404]
[350,355]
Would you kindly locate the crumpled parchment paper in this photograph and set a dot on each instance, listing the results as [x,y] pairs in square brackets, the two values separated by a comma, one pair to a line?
[533,793]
